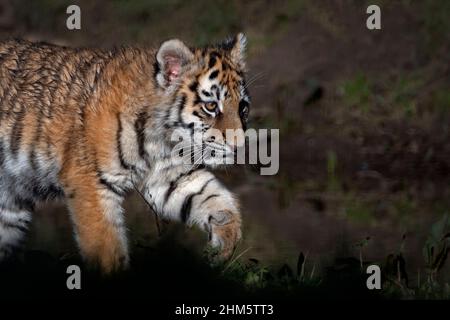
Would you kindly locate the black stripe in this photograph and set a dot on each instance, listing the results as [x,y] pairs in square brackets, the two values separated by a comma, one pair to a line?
[10,225]
[110,186]
[197,100]
[44,192]
[60,58]
[174,183]
[167,118]
[123,163]
[11,98]
[193,86]
[42,113]
[8,52]
[139,128]
[195,113]
[2,153]
[209,197]
[86,68]
[13,226]
[187,204]
[156,69]
[36,139]
[213,75]
[8,83]
[212,61]
[102,180]
[23,204]
[228,44]
[19,116]
[225,66]
[218,94]
[16,133]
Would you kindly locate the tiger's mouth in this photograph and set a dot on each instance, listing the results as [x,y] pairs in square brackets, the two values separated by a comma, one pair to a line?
[200,149]
[209,154]
[216,152]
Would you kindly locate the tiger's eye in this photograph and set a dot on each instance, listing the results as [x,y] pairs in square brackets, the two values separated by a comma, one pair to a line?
[211,106]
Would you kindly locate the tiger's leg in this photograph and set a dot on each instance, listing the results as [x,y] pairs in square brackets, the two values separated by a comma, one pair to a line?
[198,198]
[216,210]
[15,216]
[99,223]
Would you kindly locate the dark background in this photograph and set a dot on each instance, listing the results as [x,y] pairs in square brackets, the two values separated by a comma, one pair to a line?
[363,116]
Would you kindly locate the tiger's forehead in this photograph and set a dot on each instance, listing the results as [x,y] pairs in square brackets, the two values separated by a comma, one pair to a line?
[219,71]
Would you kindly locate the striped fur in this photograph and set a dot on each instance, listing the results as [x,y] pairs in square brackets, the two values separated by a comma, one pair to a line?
[88,125]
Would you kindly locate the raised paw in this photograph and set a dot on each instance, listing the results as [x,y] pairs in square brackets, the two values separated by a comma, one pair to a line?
[224,233]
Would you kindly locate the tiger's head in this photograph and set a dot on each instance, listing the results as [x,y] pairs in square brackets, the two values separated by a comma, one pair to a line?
[209,99]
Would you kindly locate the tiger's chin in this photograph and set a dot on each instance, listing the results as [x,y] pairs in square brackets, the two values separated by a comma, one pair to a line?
[213,164]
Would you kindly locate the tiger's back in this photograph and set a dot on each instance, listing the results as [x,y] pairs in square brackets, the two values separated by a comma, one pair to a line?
[43,91]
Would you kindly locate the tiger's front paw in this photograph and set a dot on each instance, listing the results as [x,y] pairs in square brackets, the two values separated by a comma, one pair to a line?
[224,229]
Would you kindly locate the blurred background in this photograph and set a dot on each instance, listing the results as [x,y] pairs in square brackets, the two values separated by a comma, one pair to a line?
[363,116]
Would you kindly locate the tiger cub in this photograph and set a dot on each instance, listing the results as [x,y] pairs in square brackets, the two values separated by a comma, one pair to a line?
[87,125]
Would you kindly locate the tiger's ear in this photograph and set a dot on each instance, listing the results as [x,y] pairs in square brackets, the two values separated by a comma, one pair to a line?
[237,46]
[172,57]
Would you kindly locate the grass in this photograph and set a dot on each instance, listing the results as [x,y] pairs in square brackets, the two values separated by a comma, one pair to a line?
[286,189]
[403,206]
[403,94]
[176,271]
[407,96]
[333,180]
[357,92]
[359,212]
[441,101]
[436,24]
